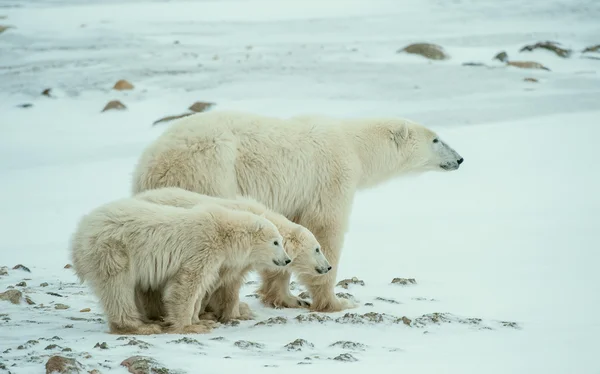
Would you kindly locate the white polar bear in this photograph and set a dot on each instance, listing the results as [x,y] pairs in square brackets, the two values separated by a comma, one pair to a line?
[299,243]
[130,242]
[306,168]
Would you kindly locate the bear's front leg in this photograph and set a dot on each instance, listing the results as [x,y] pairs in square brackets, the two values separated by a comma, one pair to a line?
[275,290]
[322,287]
[225,301]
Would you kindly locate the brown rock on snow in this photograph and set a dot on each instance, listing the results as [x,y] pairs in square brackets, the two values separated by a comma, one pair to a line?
[171,118]
[593,48]
[200,106]
[550,46]
[68,266]
[430,51]
[501,56]
[527,65]
[14,296]
[63,365]
[528,79]
[122,85]
[114,105]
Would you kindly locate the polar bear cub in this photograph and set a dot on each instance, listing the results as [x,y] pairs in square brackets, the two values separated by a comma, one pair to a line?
[300,244]
[130,242]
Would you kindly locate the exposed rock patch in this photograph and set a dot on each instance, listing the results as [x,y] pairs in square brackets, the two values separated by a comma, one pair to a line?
[112,105]
[14,296]
[427,50]
[347,282]
[272,321]
[298,345]
[348,345]
[122,85]
[550,46]
[63,365]
[404,281]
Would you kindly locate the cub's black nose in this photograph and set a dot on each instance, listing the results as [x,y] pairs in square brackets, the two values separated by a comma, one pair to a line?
[288,261]
[329,268]
[460,161]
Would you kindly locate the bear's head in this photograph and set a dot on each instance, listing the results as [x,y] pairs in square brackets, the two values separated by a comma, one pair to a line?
[421,149]
[267,244]
[306,253]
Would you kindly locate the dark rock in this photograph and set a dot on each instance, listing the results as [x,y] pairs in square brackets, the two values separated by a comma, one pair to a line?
[528,79]
[54,294]
[527,65]
[122,85]
[404,281]
[3,270]
[298,345]
[68,266]
[21,267]
[51,346]
[550,46]
[347,282]
[46,92]
[391,301]
[430,51]
[346,357]
[200,106]
[350,346]
[113,105]
[244,344]
[502,56]
[21,284]
[313,317]
[45,284]
[25,105]
[144,365]
[272,321]
[61,306]
[473,64]
[593,48]
[186,340]
[102,345]
[171,118]
[29,301]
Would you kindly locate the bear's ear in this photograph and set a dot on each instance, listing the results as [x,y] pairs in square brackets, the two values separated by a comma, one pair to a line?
[400,135]
[257,226]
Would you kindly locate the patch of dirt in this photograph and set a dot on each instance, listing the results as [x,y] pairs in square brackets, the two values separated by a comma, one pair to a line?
[501,56]
[61,306]
[200,106]
[171,118]
[404,281]
[145,365]
[427,50]
[299,345]
[345,295]
[313,317]
[85,310]
[347,282]
[186,340]
[3,270]
[102,345]
[45,284]
[527,65]
[593,48]
[550,46]
[21,267]
[21,284]
[391,301]
[532,80]
[67,266]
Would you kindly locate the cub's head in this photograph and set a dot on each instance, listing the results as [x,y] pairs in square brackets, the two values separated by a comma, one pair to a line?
[420,148]
[267,244]
[306,251]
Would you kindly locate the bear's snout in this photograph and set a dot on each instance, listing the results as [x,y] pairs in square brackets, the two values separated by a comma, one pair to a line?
[323,270]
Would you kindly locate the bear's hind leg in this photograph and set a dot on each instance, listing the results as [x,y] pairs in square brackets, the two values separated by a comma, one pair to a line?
[117,295]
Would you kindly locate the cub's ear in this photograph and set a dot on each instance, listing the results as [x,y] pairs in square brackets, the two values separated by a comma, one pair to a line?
[400,135]
[257,225]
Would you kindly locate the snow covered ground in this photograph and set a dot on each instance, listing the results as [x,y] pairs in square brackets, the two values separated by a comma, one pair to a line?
[510,237]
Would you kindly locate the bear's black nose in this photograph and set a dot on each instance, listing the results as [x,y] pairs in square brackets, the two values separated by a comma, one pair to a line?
[329,268]
[460,161]
[288,261]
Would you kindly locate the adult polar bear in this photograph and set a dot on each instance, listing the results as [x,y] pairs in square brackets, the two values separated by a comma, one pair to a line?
[306,168]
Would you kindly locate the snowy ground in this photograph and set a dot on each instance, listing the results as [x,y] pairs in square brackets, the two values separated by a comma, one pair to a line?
[508,237]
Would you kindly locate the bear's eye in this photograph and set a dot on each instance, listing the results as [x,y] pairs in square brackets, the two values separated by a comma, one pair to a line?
[435,140]
[276,242]
[317,250]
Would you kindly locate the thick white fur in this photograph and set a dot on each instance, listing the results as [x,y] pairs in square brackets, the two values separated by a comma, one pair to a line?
[129,242]
[306,168]
[300,244]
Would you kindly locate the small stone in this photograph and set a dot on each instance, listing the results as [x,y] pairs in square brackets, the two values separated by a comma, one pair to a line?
[25,105]
[21,267]
[51,346]
[67,349]
[122,85]
[304,295]
[95,371]
[391,301]
[313,317]
[473,64]
[14,296]
[368,304]
[21,284]
[113,105]
[46,92]
[218,338]
[351,346]
[346,357]
[102,345]
[406,321]
[272,321]
[67,326]
[527,65]
[54,294]
[3,270]
[345,295]
[404,281]
[428,50]
[45,284]
[29,301]
[85,310]
[63,365]
[61,306]
[528,79]
[550,46]
[143,365]
[593,48]
[502,56]
[298,345]
[244,344]
[186,340]
[68,266]
[347,282]
[171,118]
[200,106]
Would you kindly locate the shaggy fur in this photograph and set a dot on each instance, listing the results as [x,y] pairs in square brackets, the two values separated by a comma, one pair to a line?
[306,168]
[131,243]
[300,244]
